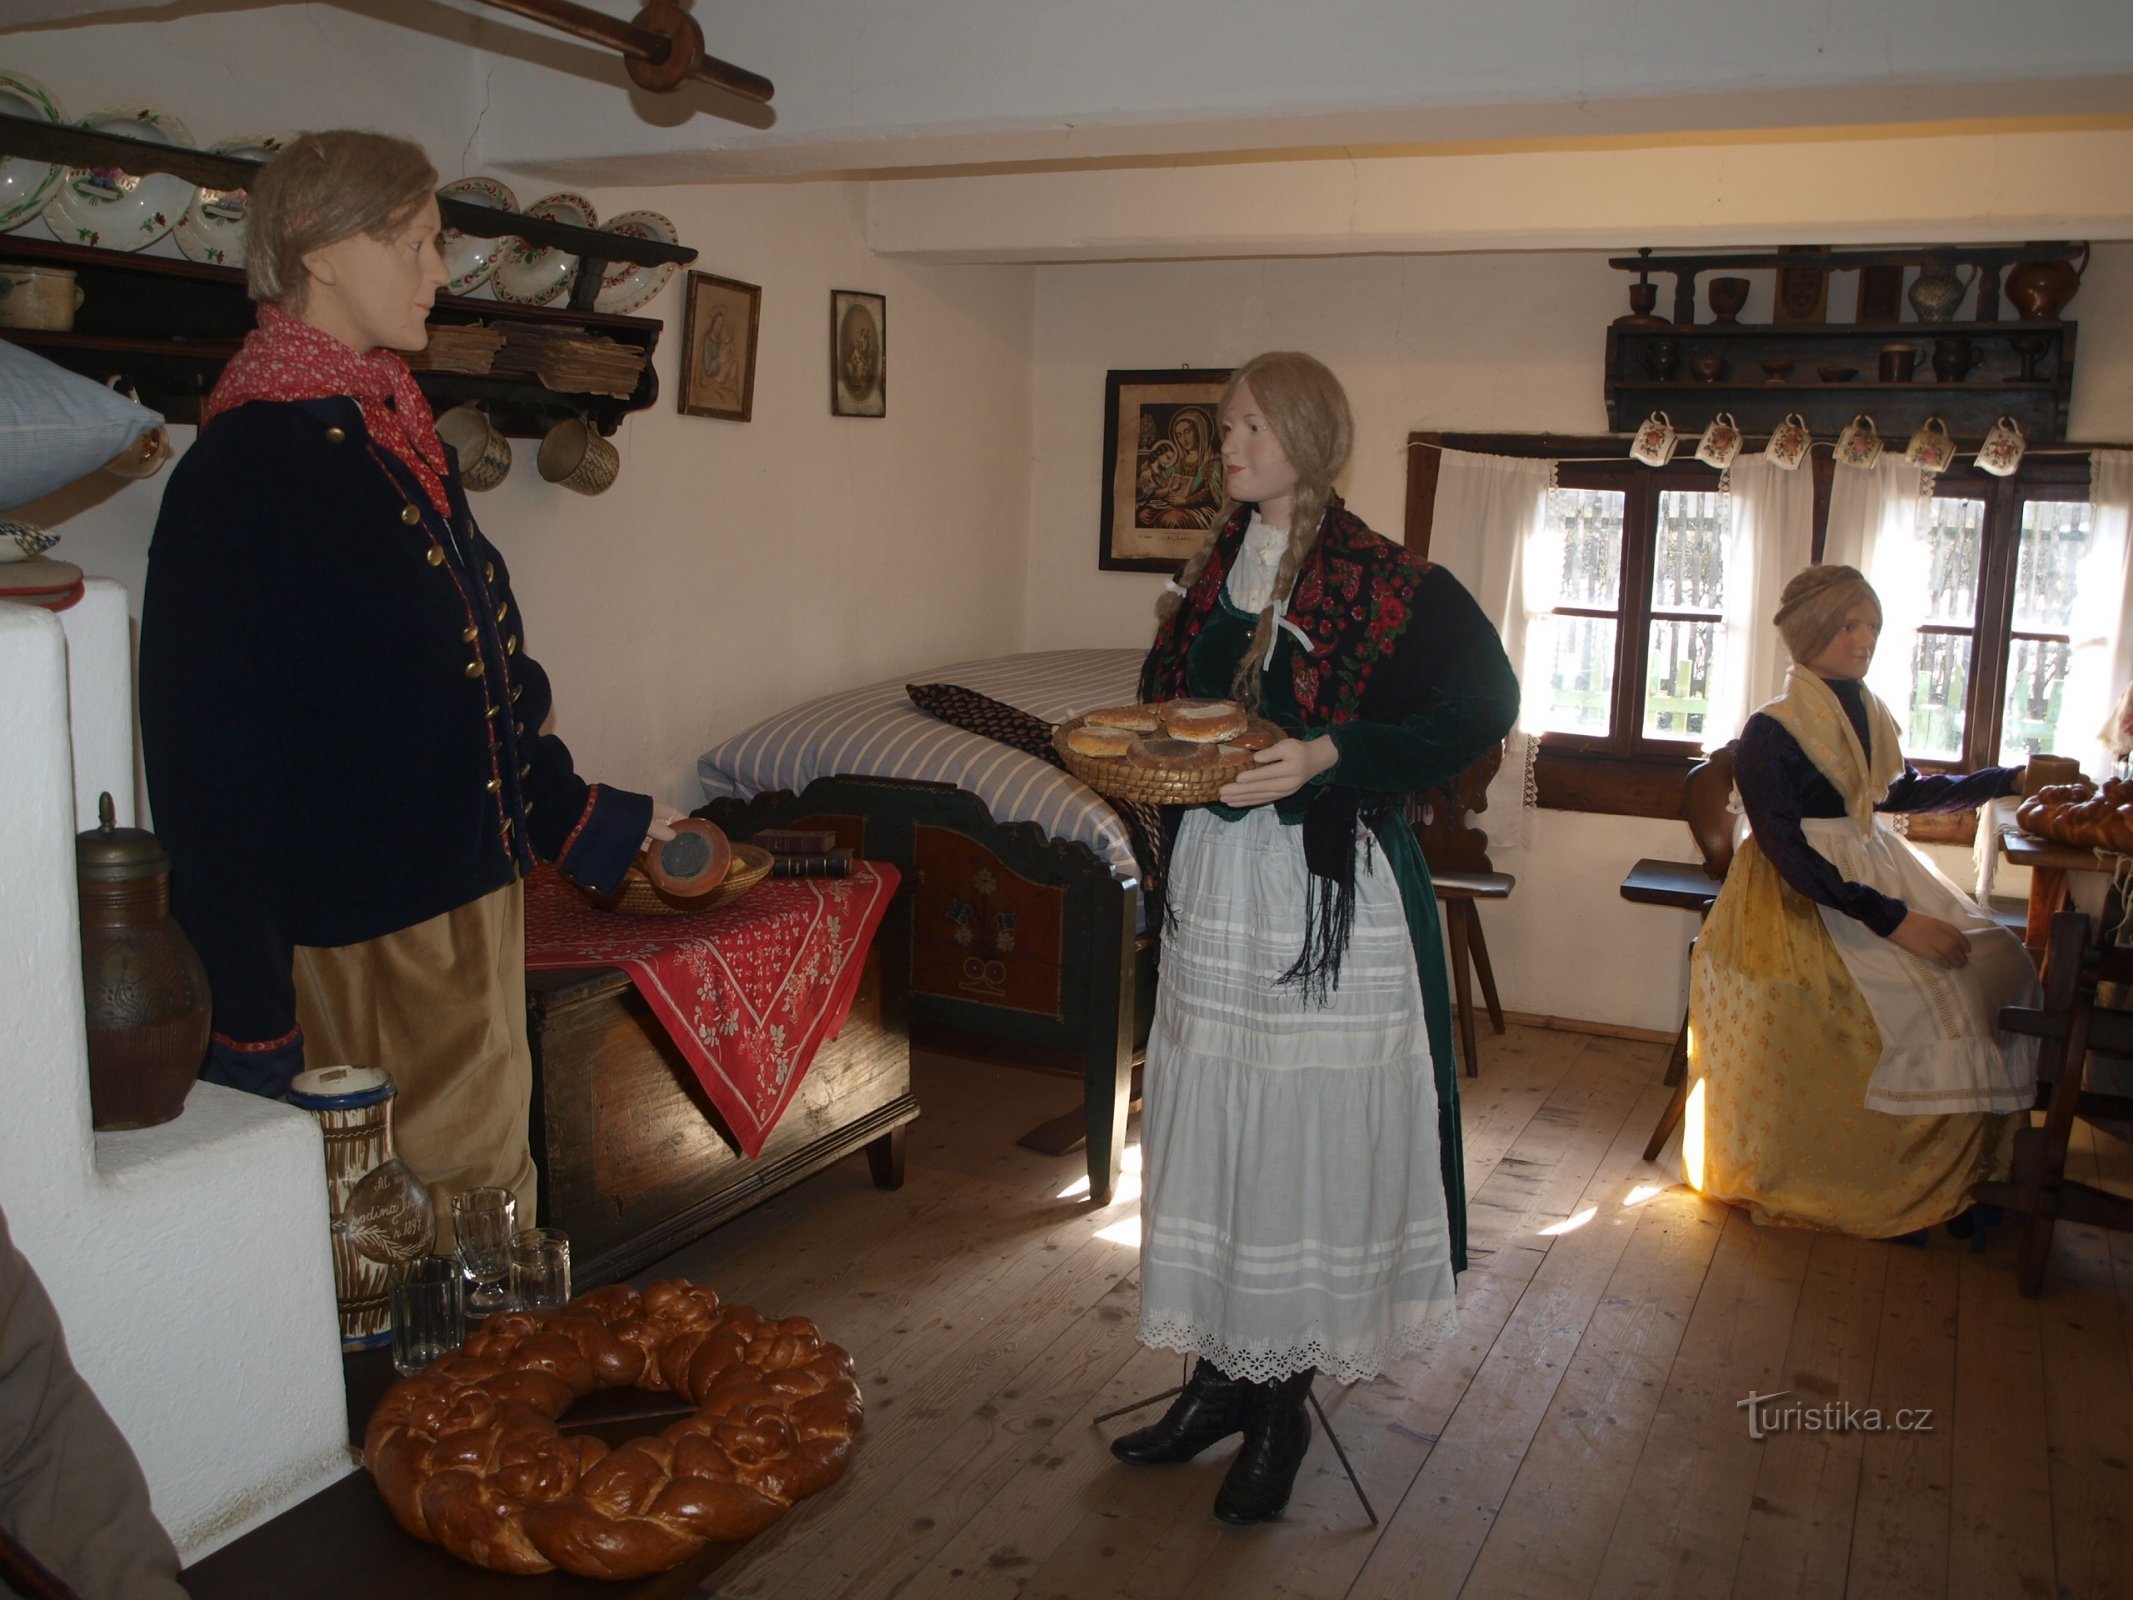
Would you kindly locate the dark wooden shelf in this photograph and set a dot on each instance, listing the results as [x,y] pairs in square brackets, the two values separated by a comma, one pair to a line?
[165,328]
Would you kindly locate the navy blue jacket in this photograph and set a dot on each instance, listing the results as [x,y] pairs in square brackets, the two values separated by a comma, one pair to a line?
[342,729]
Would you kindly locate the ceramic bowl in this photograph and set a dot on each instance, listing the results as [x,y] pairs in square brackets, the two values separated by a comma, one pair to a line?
[111,208]
[1836,374]
[626,285]
[212,229]
[533,275]
[472,261]
[26,187]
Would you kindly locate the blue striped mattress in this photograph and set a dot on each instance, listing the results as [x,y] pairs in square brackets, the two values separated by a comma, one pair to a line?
[877,732]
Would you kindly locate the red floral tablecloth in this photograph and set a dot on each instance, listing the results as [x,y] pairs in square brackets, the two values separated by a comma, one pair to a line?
[747,992]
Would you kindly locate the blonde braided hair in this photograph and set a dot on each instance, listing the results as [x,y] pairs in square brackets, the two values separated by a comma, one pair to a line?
[1307,409]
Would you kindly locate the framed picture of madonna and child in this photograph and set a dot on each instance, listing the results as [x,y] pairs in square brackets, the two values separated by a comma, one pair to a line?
[1162,487]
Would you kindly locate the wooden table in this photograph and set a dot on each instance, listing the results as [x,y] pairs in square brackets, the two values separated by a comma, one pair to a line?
[2053,871]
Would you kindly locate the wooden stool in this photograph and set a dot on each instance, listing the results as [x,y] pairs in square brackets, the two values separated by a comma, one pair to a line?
[1457,892]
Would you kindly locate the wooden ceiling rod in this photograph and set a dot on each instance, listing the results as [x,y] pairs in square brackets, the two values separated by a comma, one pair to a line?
[663,48]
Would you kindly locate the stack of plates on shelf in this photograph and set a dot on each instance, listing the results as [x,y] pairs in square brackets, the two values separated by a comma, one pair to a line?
[115,209]
[472,261]
[574,362]
[533,274]
[26,187]
[458,347]
[626,285]
[212,229]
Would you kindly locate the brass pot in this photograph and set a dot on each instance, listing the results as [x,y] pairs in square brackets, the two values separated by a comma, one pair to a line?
[146,997]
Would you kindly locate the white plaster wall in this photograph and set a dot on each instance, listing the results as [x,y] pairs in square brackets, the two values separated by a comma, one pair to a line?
[189,1263]
[1453,342]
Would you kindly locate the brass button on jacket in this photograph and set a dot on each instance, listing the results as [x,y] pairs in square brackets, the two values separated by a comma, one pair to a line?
[493,785]
[410,515]
[525,769]
[475,668]
[511,645]
[469,634]
[436,555]
[336,435]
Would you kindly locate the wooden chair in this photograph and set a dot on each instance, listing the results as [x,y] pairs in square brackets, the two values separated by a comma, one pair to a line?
[2071,1026]
[1689,886]
[1459,867]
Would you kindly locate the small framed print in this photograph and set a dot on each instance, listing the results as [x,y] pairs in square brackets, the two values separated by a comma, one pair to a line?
[859,374]
[1163,485]
[718,347]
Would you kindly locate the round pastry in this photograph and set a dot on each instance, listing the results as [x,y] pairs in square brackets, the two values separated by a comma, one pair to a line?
[1134,719]
[1205,721]
[467,1454]
[1088,741]
[1175,754]
[1258,739]
[2075,814]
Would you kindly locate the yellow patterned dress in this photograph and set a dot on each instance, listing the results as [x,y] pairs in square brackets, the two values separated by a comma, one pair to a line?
[1783,1042]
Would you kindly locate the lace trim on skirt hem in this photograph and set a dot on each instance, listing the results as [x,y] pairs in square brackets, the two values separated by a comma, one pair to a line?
[1262,1364]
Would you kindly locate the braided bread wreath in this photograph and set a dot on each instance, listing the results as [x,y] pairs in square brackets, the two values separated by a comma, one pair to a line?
[467,1454]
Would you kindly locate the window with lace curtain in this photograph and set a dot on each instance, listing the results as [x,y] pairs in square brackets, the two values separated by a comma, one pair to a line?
[1996,568]
[1634,633]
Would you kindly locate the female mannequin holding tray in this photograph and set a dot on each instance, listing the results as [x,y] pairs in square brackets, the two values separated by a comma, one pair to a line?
[1844,994]
[1304,1207]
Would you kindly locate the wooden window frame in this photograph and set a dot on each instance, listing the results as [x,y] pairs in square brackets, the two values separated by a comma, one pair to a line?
[1624,774]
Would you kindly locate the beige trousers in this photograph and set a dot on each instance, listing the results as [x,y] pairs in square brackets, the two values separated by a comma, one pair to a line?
[442,1007]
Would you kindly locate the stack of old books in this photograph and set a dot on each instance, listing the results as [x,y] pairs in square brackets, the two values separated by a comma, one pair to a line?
[574,362]
[805,853]
[458,347]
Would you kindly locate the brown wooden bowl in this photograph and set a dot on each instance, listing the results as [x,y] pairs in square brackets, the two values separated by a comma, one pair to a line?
[640,897]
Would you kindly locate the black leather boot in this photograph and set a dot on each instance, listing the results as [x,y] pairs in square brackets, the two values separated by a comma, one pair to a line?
[1277,1432]
[1210,1408]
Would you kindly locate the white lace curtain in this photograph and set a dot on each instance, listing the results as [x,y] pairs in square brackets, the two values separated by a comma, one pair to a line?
[1770,537]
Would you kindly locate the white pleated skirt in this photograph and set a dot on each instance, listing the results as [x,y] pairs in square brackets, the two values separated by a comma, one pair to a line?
[1293,1213]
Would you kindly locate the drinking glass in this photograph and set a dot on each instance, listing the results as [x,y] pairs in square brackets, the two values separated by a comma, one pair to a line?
[483,1221]
[428,1312]
[540,1269]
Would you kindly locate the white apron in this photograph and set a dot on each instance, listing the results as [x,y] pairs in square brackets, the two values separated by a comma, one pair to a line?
[1941,1048]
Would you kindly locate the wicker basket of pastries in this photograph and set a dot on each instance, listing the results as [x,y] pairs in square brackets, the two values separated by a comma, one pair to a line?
[1170,753]
[2082,816]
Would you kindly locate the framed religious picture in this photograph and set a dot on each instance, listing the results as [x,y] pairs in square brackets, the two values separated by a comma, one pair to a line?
[859,372]
[718,329]
[1162,483]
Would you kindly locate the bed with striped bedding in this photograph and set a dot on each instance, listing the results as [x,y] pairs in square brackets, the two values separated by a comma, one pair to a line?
[877,732]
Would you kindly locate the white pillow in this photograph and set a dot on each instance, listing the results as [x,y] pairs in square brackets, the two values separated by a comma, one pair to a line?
[56,425]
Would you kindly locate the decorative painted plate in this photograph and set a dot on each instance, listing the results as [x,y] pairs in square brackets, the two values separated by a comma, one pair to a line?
[114,208]
[532,274]
[212,229]
[626,285]
[470,260]
[26,186]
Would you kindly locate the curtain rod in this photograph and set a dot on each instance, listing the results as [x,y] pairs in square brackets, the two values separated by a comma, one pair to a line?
[1748,438]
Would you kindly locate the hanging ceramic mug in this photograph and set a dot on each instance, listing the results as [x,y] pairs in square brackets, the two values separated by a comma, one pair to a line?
[44,298]
[1654,441]
[1930,449]
[1720,442]
[1789,443]
[1859,445]
[2002,450]
[574,455]
[484,453]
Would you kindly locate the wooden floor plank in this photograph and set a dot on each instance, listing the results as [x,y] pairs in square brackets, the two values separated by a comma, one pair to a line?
[1683,1518]
[1559,1170]
[2000,1525]
[2088,1419]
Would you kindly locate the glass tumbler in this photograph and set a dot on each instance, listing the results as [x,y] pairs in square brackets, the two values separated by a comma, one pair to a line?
[428,1312]
[540,1269]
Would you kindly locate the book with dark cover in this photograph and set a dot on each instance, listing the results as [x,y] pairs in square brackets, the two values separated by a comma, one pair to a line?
[822,864]
[796,841]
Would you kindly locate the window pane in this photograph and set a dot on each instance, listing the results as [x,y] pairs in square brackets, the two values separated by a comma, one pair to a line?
[2036,678]
[1580,652]
[1591,525]
[2055,533]
[1953,536]
[1677,679]
[1940,690]
[1687,559]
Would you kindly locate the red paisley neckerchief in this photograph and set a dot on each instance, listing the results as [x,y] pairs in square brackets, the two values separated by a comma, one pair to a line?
[1353,598]
[286,358]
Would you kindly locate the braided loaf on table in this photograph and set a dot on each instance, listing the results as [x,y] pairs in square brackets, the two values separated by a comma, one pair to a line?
[467,1454]
[2074,814]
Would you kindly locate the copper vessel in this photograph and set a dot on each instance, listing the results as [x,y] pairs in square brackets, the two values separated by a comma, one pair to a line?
[146,1000]
[2041,289]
